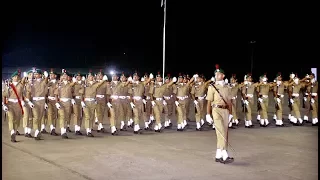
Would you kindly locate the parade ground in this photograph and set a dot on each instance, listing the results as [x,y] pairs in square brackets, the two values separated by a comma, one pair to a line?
[271,153]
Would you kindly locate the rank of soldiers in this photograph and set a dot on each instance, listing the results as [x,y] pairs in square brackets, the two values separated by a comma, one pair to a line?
[38,101]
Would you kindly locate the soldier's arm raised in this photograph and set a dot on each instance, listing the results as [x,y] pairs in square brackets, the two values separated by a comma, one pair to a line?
[191,80]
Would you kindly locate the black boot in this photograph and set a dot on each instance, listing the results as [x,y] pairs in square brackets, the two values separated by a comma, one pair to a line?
[228,160]
[13,138]
[78,133]
[43,131]
[68,129]
[89,135]
[53,132]
[64,136]
[17,133]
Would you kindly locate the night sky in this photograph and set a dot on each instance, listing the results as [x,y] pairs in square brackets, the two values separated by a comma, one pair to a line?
[128,35]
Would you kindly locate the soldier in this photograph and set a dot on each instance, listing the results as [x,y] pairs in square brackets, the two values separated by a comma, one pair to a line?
[13,102]
[101,100]
[124,104]
[168,97]
[149,111]
[137,101]
[37,91]
[181,91]
[198,94]
[88,102]
[63,94]
[50,105]
[78,89]
[220,106]
[247,92]
[27,115]
[235,87]
[186,79]
[312,99]
[159,105]
[129,114]
[289,91]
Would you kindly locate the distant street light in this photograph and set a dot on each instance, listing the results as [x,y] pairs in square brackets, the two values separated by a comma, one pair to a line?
[112,72]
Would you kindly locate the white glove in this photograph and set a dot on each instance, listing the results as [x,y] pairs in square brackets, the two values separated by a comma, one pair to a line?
[164,102]
[45,73]
[196,75]
[213,79]
[45,106]
[132,105]
[230,117]
[58,106]
[312,100]
[260,100]
[278,100]
[246,102]
[174,79]
[208,118]
[74,79]
[292,75]
[30,104]
[245,82]
[83,104]
[73,102]
[153,103]
[109,105]
[142,79]
[5,108]
[23,104]
[83,78]
[130,79]
[195,102]
[226,81]
[177,103]
[105,78]
[264,79]
[150,76]
[25,74]
[305,98]
[274,80]
[292,101]
[144,101]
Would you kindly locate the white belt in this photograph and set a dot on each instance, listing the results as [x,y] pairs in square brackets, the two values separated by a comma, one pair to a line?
[122,97]
[234,97]
[201,97]
[167,97]
[89,99]
[295,94]
[128,97]
[181,97]
[78,97]
[281,95]
[265,96]
[186,97]
[249,95]
[13,100]
[159,99]
[314,94]
[306,94]
[52,98]
[114,97]
[99,96]
[137,98]
[148,97]
[38,98]
[65,99]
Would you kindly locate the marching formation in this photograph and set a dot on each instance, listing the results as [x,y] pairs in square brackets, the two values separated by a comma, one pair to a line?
[38,101]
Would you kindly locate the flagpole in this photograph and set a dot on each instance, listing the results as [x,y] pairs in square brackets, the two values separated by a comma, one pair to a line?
[164,40]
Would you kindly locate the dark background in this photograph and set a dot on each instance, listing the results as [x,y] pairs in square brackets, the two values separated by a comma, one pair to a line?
[198,36]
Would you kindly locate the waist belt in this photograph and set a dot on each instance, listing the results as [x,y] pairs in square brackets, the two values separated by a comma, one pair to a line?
[201,97]
[219,106]
[122,97]
[99,96]
[65,99]
[137,98]
[314,94]
[181,97]
[148,97]
[78,97]
[306,94]
[114,97]
[158,99]
[281,95]
[38,98]
[128,97]
[186,97]
[234,97]
[167,97]
[249,95]
[52,98]
[265,96]
[295,94]
[13,100]
[89,99]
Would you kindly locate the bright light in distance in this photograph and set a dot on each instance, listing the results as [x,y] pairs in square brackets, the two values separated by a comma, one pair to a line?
[112,72]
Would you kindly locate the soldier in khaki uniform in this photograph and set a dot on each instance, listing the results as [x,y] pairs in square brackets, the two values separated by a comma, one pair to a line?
[149,110]
[101,100]
[51,107]
[198,94]
[137,102]
[235,87]
[37,91]
[124,106]
[63,93]
[186,79]
[27,116]
[78,90]
[181,91]
[13,102]
[168,97]
[129,114]
[289,91]
[88,102]
[220,108]
[313,95]
[247,92]
[159,105]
